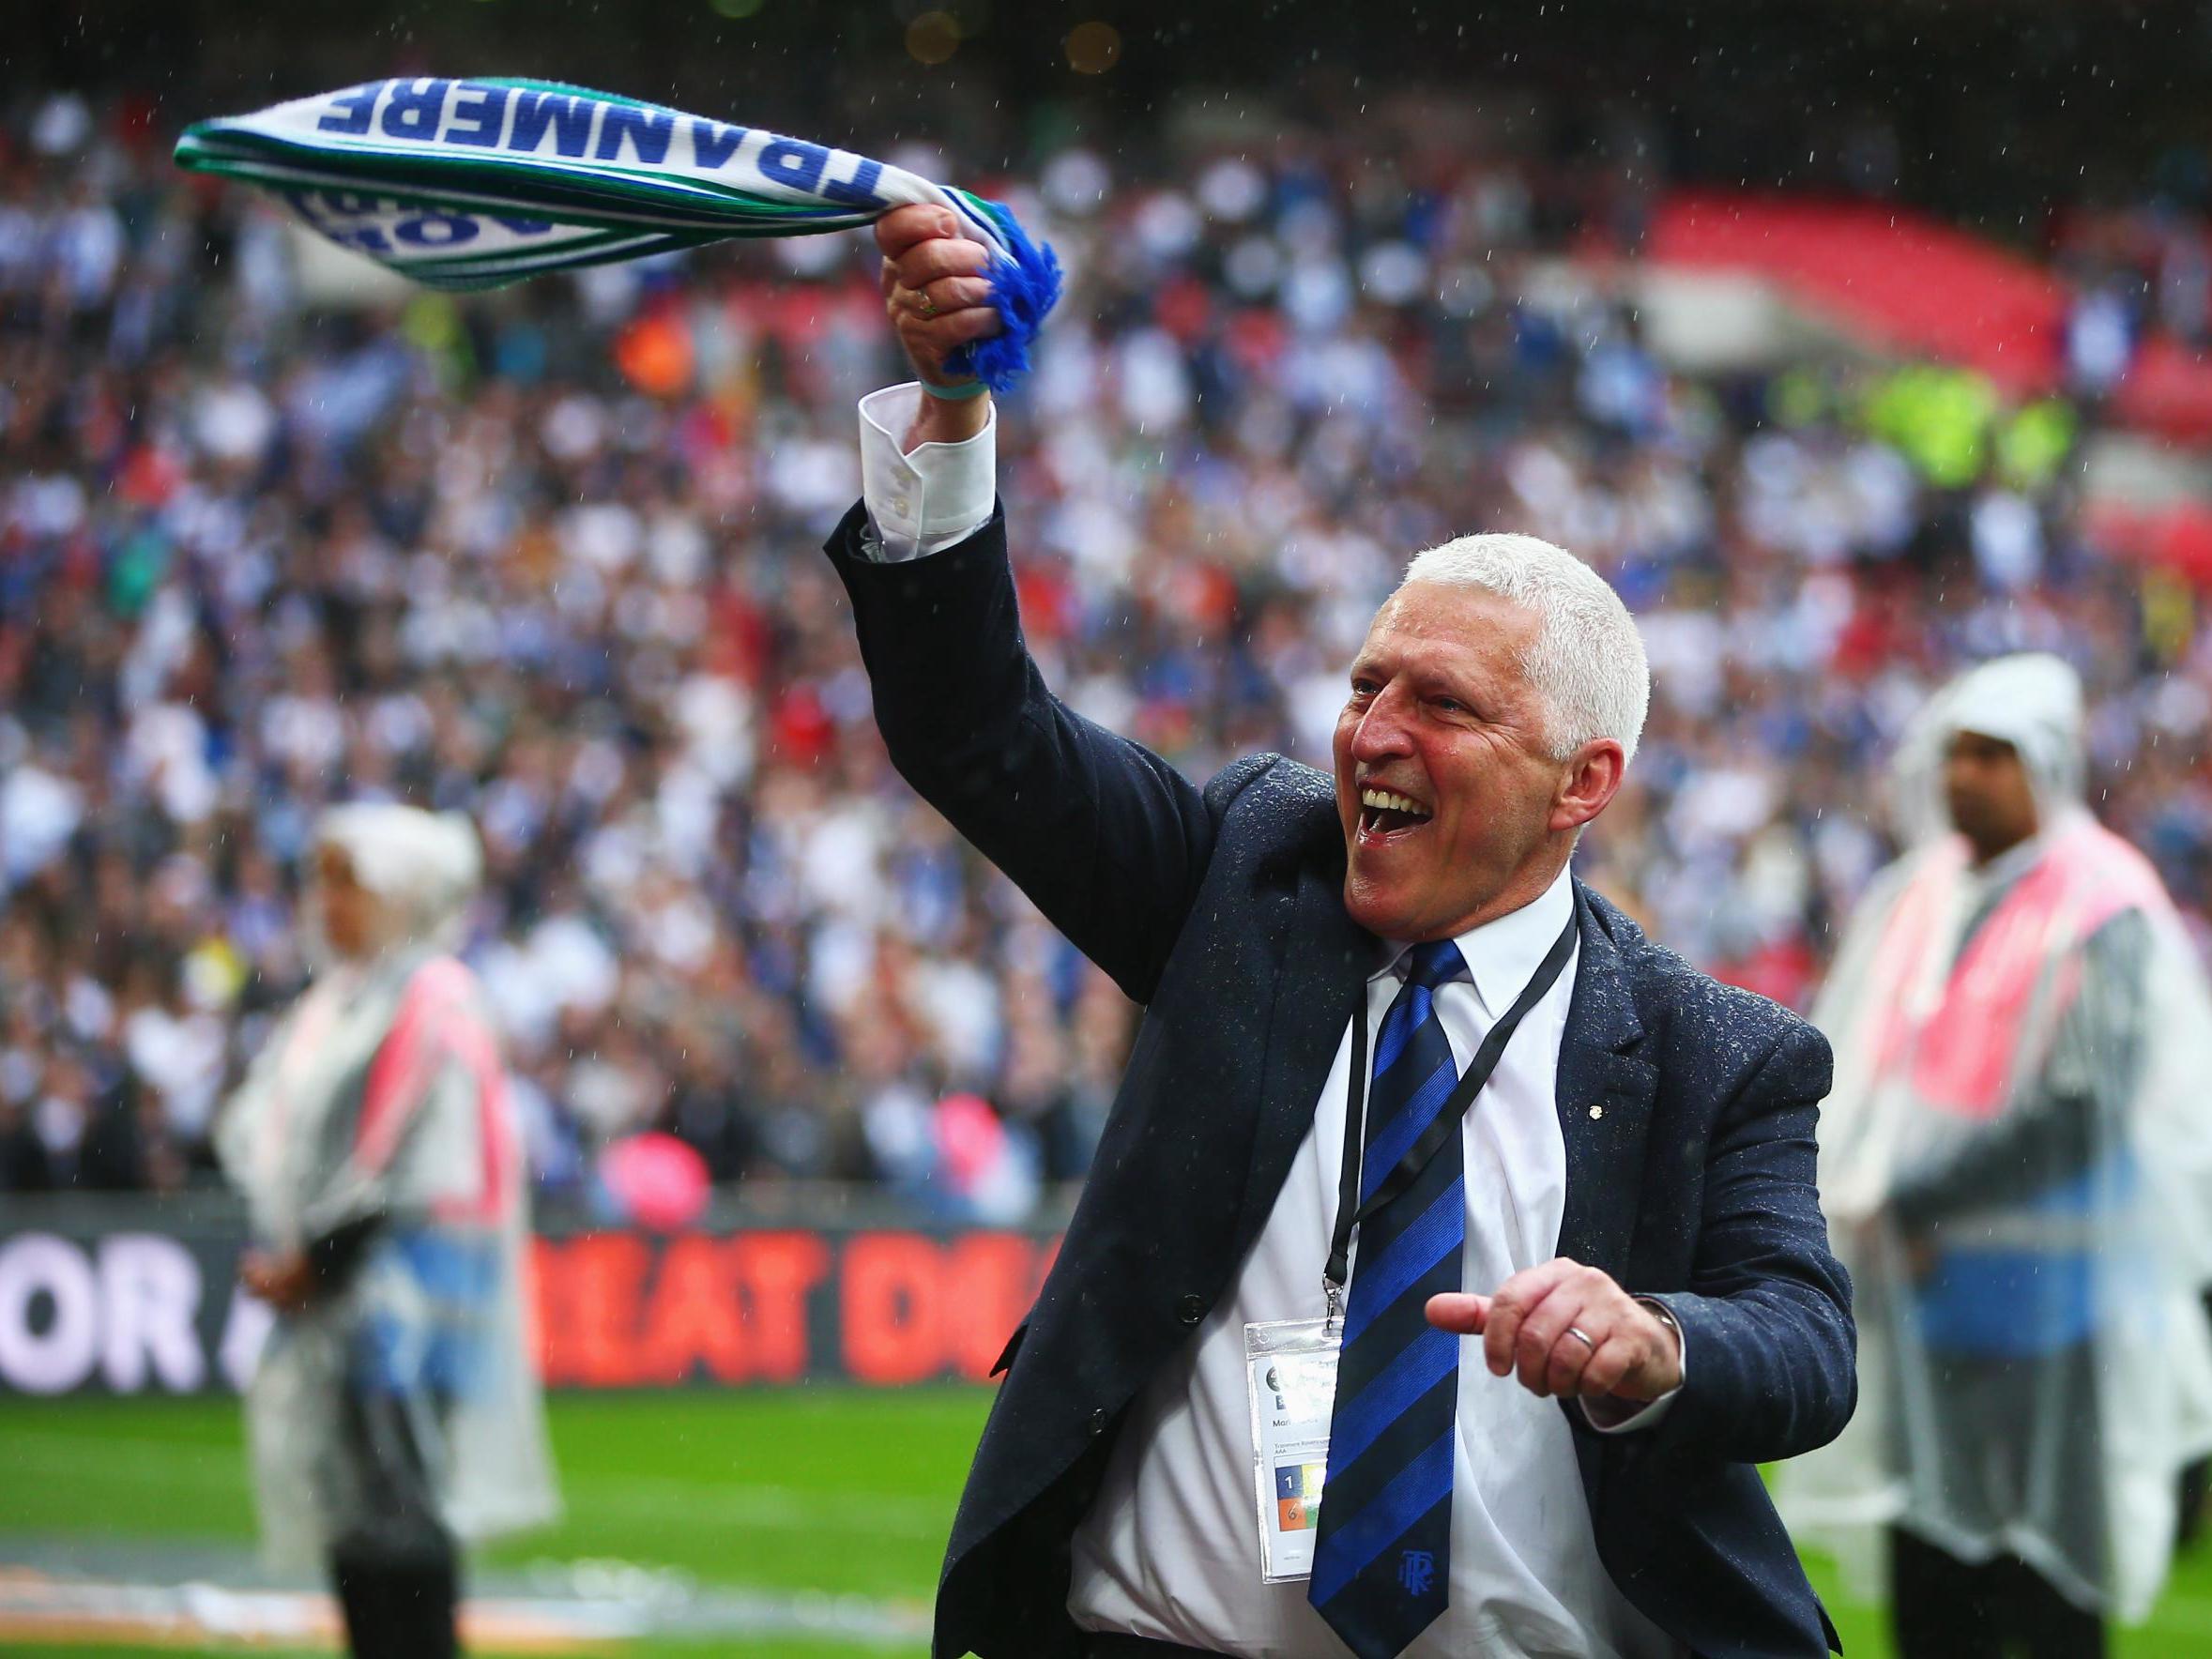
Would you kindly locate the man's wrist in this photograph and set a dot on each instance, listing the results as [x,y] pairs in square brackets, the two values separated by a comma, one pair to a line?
[1619,1414]
[1660,1311]
[945,420]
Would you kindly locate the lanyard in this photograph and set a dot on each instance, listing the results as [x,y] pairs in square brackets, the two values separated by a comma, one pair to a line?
[1349,1211]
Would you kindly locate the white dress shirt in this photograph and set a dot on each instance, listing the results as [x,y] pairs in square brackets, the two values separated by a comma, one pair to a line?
[940,494]
[1170,1550]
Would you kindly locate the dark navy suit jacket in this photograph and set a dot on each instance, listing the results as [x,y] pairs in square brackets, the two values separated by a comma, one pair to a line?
[1220,910]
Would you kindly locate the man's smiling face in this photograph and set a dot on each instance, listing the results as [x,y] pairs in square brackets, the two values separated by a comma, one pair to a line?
[1445,782]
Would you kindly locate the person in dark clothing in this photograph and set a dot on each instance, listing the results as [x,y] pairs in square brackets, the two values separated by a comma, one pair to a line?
[25,1167]
[1577,1148]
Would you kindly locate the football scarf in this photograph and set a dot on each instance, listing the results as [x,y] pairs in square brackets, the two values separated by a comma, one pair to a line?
[473,183]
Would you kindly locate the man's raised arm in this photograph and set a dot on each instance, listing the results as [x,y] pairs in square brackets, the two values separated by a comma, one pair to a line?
[1108,838]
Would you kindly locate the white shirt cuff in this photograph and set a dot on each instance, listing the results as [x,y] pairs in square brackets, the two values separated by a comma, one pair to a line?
[1628,1417]
[926,502]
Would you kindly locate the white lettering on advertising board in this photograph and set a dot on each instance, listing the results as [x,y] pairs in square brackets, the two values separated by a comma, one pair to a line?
[55,1352]
[128,1307]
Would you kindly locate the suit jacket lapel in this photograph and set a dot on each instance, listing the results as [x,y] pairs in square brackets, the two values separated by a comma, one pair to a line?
[1604,1096]
[1604,1092]
[1323,962]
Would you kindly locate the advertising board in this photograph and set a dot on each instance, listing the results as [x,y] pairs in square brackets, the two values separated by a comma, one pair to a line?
[98,1308]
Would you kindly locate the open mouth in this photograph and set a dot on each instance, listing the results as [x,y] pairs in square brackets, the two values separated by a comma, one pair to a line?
[1384,812]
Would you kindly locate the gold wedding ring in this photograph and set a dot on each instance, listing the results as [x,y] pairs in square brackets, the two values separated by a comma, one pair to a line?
[1583,1336]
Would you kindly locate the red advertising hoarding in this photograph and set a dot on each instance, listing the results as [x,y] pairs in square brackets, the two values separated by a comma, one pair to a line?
[149,1310]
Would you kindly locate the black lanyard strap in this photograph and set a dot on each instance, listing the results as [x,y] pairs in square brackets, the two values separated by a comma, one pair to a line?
[1351,1212]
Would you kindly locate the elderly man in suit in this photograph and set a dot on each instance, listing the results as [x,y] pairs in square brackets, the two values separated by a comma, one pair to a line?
[1564,1142]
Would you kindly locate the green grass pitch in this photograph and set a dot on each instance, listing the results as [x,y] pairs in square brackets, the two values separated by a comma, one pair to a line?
[831,1490]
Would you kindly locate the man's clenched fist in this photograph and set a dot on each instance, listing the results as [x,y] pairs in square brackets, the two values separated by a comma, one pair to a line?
[938,298]
[1567,1328]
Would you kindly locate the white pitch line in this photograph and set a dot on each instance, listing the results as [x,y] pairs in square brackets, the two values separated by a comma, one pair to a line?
[61,1606]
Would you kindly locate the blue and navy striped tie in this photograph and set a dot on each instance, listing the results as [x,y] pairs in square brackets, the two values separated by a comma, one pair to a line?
[1382,1561]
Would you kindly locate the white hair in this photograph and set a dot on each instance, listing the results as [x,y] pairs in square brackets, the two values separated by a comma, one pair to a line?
[424,868]
[1587,661]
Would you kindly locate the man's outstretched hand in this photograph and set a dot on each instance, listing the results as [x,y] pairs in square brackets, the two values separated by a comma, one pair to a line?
[1526,1327]
[939,300]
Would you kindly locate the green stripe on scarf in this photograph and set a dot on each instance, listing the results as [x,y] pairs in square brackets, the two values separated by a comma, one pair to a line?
[473,183]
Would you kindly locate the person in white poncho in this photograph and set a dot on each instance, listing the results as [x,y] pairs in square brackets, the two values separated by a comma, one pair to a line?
[2014,1162]
[394,1412]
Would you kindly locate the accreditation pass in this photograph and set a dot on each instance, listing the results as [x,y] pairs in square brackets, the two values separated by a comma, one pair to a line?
[1291,1378]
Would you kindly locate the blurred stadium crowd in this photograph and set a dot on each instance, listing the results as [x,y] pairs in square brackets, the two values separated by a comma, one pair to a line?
[550,557]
